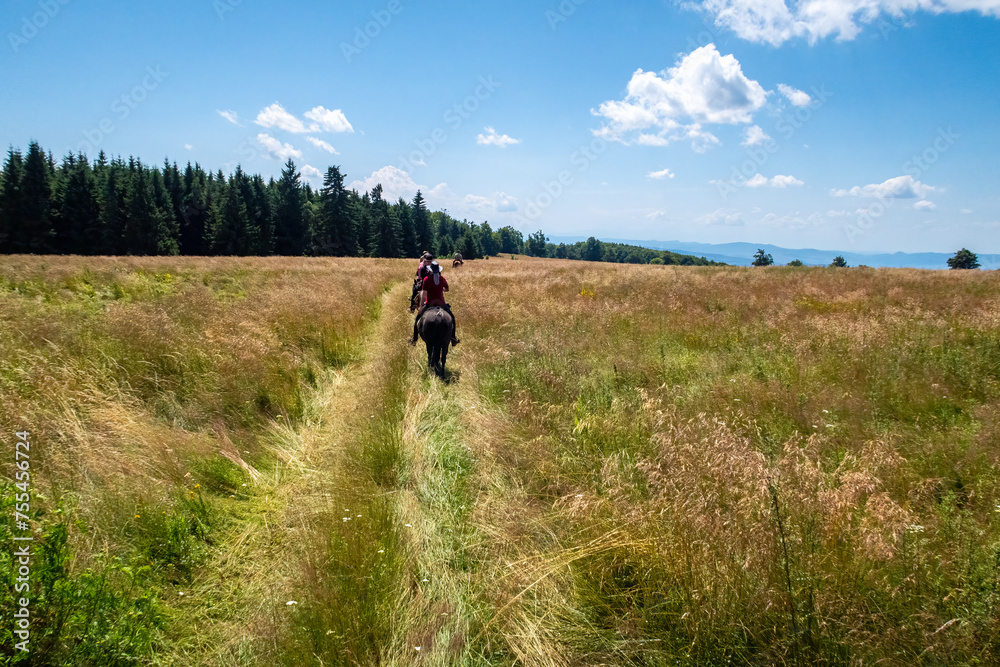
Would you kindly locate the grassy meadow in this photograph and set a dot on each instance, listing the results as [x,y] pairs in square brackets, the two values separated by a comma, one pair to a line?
[240,462]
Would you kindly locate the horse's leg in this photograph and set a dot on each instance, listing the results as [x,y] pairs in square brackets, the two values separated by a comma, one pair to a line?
[444,357]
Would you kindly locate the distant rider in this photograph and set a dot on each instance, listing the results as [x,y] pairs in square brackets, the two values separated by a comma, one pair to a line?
[458,260]
[432,294]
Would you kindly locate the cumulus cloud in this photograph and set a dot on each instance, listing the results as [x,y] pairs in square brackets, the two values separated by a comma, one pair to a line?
[319,143]
[276,116]
[656,215]
[777,21]
[324,120]
[795,96]
[900,187]
[231,116]
[726,217]
[397,183]
[924,205]
[311,172]
[662,174]
[754,136]
[329,120]
[761,181]
[491,138]
[277,149]
[704,87]
[189,147]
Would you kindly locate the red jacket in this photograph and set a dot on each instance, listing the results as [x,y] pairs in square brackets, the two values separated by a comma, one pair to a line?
[435,293]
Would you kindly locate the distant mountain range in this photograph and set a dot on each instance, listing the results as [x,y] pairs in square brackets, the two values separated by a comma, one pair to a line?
[741,254]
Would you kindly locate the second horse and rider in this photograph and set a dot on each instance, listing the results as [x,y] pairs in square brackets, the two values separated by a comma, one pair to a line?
[428,292]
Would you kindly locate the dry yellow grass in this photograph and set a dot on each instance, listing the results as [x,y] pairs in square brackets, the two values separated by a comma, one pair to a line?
[628,465]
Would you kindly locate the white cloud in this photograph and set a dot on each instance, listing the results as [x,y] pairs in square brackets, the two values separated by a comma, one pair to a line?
[795,96]
[924,205]
[966,211]
[231,116]
[311,172]
[754,136]
[397,183]
[329,120]
[703,87]
[276,116]
[319,143]
[277,149]
[775,21]
[726,217]
[491,138]
[662,174]
[779,181]
[838,214]
[900,187]
[189,147]
[786,181]
[656,215]
[324,120]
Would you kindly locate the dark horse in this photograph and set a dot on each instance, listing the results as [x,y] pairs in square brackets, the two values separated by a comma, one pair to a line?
[435,328]
[416,293]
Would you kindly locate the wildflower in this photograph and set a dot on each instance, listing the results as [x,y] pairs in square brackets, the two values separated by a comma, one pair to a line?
[290,603]
[381,551]
[416,648]
[826,412]
[197,486]
[181,593]
[408,525]
[137,516]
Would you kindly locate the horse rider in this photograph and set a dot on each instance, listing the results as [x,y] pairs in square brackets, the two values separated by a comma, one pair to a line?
[458,260]
[425,261]
[432,294]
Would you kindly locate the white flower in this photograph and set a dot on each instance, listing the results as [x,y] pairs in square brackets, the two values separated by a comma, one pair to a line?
[290,603]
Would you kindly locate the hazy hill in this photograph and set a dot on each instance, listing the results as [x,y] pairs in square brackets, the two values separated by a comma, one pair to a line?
[742,254]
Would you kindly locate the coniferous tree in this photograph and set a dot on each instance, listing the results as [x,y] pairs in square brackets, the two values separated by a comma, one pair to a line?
[289,231]
[79,227]
[114,218]
[193,218]
[335,234]
[142,215]
[422,224]
[363,218]
[385,227]
[407,231]
[166,230]
[261,217]
[11,198]
[31,231]
[231,222]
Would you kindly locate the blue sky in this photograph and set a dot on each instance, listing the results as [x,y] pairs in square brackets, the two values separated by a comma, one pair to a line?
[835,124]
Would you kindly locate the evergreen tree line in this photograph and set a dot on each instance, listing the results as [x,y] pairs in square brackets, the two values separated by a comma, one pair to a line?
[119,207]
